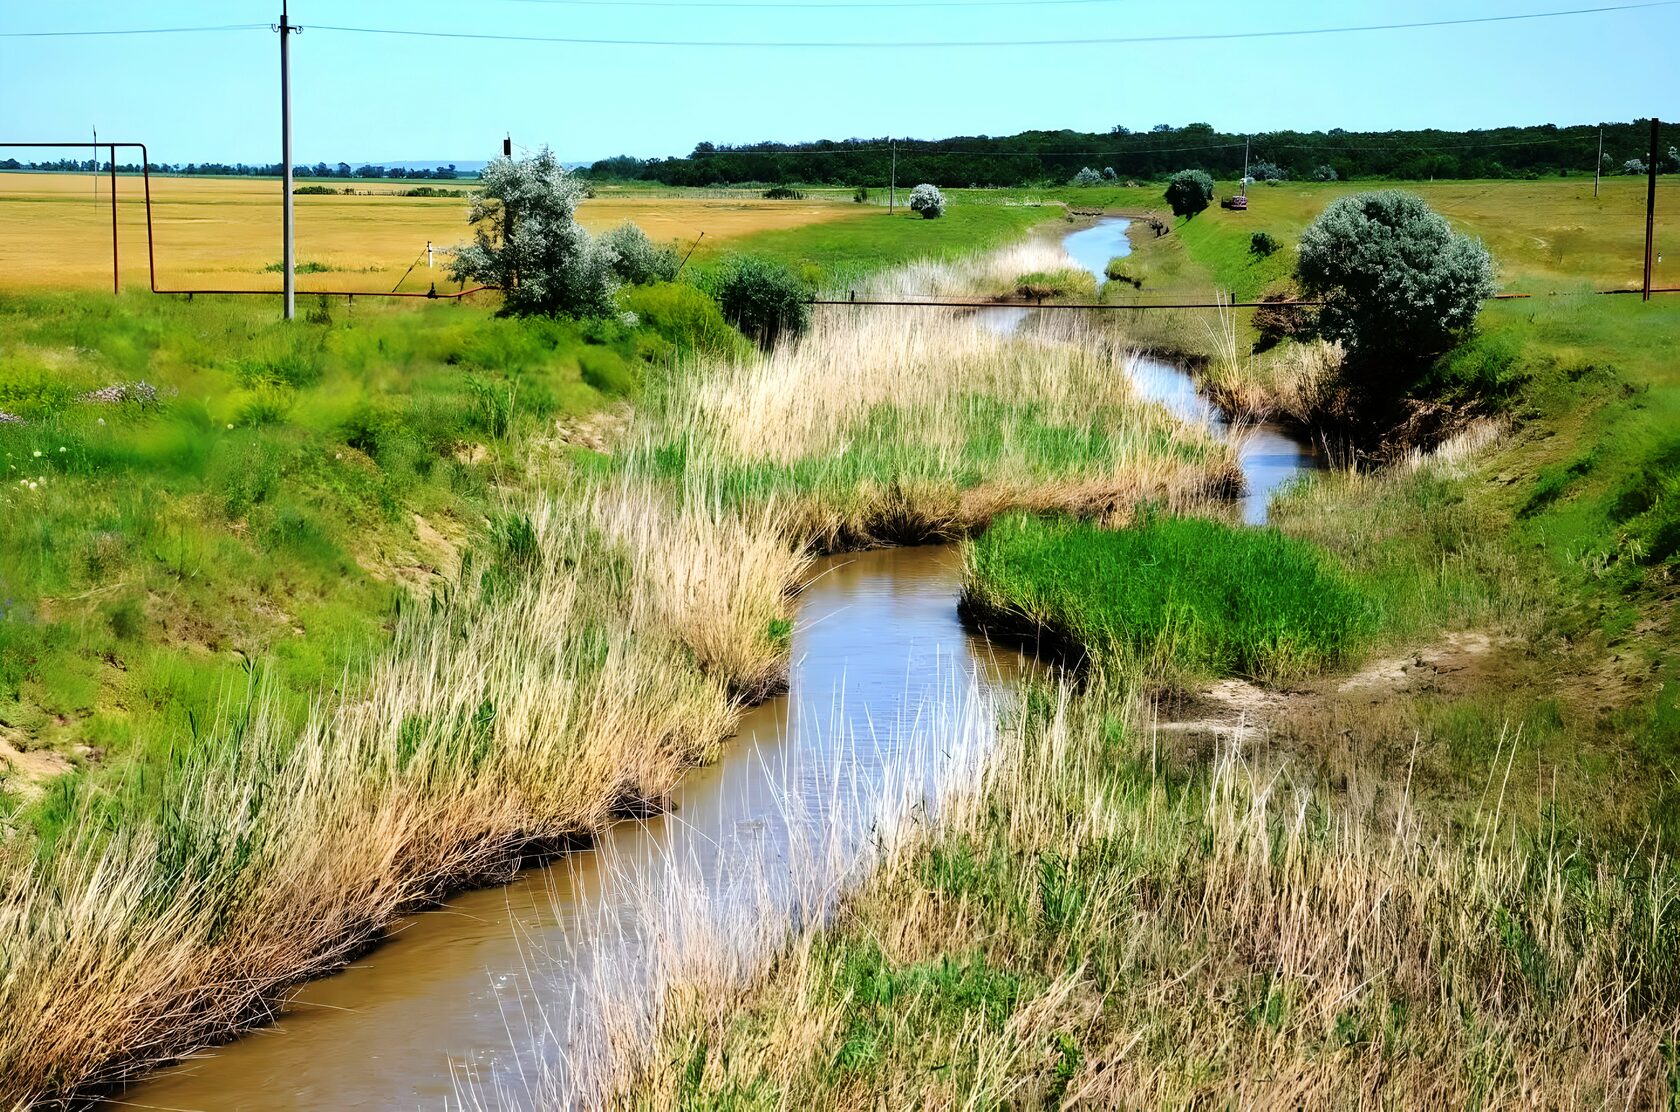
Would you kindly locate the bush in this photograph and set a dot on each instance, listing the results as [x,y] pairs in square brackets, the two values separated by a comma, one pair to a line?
[762,298]
[1087,177]
[683,316]
[635,259]
[1109,174]
[1634,166]
[1263,244]
[1262,170]
[1189,192]
[527,241]
[1325,173]
[314,191]
[783,193]
[927,200]
[861,194]
[1399,285]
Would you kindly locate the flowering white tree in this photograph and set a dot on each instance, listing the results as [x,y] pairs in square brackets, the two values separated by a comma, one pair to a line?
[1087,177]
[927,200]
[527,241]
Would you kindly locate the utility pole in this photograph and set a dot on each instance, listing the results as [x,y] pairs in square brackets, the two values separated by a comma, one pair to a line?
[116,272]
[892,188]
[288,258]
[1651,204]
[1245,167]
[1598,167]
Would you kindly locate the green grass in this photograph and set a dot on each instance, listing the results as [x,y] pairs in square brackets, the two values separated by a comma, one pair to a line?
[1186,596]
[261,502]
[836,254]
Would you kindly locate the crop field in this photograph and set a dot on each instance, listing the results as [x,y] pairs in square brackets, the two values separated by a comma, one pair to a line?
[224,233]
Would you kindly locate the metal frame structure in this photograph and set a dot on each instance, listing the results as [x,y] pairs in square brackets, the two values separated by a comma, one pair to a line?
[151,247]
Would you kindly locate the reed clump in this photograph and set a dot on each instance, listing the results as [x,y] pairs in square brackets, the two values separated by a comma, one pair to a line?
[876,427]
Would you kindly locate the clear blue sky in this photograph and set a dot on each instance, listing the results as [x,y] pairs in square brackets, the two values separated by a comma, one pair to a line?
[377,98]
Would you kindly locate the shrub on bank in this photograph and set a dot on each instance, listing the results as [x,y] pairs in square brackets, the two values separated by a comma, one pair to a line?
[1189,192]
[763,298]
[1399,286]
[1177,595]
[636,260]
[528,243]
[684,316]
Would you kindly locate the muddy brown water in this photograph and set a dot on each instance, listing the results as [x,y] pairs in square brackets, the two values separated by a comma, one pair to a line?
[877,643]
[485,998]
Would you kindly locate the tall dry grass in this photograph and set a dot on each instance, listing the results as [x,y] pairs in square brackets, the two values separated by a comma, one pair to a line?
[579,677]
[1092,930]
[607,644]
[887,424]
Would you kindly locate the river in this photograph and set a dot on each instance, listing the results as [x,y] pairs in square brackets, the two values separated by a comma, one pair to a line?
[463,999]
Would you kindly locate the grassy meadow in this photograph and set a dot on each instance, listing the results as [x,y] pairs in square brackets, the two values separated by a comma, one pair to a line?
[224,233]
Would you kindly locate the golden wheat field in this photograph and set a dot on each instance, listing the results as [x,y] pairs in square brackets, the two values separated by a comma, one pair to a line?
[224,233]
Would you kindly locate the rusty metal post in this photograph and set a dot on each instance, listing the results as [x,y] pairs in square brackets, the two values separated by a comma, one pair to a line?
[1651,205]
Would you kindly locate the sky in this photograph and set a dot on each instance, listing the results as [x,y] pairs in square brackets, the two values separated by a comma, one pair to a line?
[214,95]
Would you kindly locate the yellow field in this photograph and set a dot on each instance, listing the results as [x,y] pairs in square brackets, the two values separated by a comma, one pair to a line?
[221,233]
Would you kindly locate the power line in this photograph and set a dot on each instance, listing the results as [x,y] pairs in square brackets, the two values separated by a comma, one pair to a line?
[1212,36]
[134,31]
[817,4]
[1117,40]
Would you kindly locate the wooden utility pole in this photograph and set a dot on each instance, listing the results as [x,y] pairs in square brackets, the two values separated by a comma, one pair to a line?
[1598,167]
[1651,204]
[892,186]
[288,257]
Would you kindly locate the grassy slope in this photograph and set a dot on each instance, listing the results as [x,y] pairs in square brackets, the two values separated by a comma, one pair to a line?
[285,490]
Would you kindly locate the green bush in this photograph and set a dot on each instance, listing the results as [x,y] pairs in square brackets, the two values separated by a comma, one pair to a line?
[1182,595]
[1189,192]
[783,193]
[606,371]
[684,316]
[1263,244]
[636,260]
[1399,286]
[761,297]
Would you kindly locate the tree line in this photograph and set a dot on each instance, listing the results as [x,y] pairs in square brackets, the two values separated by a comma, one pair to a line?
[236,169]
[1055,157]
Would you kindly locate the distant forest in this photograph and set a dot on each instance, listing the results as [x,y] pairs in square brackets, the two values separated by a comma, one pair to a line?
[237,169]
[1054,157]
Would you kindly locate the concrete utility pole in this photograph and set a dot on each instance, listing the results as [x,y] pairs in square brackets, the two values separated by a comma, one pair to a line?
[1651,204]
[288,257]
[892,182]
[1598,167]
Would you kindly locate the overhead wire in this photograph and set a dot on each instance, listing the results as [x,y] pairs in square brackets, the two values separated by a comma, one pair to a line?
[945,44]
[942,44]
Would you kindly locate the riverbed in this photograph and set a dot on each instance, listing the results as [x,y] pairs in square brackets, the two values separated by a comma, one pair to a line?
[496,992]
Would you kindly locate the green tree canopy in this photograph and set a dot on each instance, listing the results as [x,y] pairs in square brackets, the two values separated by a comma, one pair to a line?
[1398,284]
